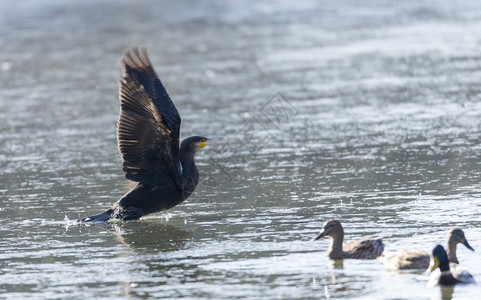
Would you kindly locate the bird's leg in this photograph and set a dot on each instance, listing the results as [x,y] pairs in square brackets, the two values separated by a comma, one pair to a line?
[128,213]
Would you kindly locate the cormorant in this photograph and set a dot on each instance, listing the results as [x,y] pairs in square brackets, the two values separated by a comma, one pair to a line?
[148,141]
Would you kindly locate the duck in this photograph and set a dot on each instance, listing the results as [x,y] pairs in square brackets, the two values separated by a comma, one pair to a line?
[445,275]
[368,248]
[414,259]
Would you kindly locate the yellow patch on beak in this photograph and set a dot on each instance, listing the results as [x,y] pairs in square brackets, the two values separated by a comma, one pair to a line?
[202,145]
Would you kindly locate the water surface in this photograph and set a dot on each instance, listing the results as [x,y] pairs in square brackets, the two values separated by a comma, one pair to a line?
[369,114]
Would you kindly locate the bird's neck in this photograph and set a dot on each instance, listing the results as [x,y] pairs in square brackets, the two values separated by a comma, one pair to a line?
[444,265]
[189,171]
[451,251]
[337,240]
[335,251]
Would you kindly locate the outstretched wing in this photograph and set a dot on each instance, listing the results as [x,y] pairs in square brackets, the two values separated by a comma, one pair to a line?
[148,127]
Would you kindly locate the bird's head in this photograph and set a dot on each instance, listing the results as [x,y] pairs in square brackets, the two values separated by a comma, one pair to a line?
[456,235]
[194,143]
[439,258]
[329,228]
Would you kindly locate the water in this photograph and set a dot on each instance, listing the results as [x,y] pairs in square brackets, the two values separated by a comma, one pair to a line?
[366,113]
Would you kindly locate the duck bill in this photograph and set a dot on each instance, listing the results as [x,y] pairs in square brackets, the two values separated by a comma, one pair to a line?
[321,235]
[468,245]
[433,264]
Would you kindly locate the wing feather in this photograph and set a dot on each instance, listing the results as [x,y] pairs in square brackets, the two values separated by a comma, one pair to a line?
[364,248]
[147,131]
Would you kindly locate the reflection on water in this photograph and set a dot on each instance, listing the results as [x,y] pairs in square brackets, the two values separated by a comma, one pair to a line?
[376,124]
[337,263]
[447,292]
[151,236]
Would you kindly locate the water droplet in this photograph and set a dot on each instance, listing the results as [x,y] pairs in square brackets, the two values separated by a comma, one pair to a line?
[202,48]
[211,74]
[6,66]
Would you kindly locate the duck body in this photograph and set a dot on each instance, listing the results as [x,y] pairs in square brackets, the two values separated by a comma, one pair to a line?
[368,248]
[405,260]
[442,278]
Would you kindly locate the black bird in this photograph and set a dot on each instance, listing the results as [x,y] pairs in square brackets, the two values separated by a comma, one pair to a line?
[148,141]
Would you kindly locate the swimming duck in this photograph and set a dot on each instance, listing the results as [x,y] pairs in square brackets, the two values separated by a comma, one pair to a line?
[445,275]
[412,259]
[361,249]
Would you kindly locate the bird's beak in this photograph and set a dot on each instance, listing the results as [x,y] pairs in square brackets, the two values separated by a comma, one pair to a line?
[211,141]
[468,245]
[433,264]
[321,235]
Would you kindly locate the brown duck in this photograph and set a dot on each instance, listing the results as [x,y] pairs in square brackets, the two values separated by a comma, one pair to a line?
[369,248]
[412,259]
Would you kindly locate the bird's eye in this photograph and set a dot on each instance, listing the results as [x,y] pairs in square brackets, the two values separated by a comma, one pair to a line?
[203,140]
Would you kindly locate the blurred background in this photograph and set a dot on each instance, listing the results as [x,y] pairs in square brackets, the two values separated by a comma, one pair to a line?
[365,112]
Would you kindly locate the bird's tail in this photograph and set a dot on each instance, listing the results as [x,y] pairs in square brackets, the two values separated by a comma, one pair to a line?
[105,216]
